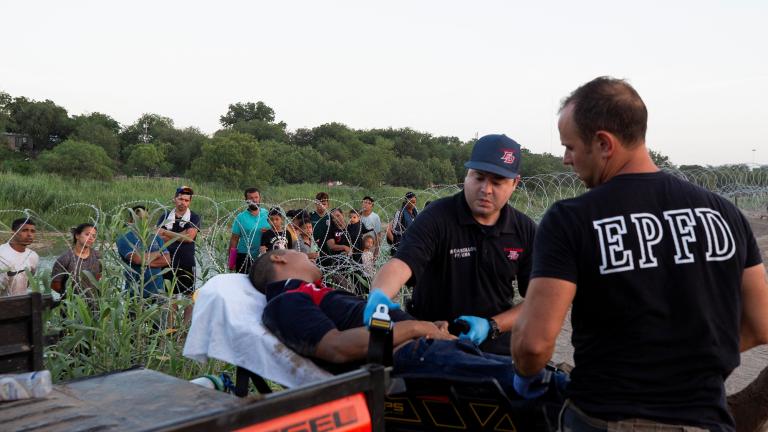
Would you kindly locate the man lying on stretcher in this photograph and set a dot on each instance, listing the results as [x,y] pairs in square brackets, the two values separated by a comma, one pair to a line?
[324,325]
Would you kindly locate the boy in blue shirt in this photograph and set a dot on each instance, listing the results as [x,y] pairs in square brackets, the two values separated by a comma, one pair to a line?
[145,262]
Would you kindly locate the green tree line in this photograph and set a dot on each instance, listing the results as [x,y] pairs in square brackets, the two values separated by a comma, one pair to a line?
[251,148]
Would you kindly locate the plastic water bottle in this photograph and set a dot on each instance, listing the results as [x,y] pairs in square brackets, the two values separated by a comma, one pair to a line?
[25,386]
[209,381]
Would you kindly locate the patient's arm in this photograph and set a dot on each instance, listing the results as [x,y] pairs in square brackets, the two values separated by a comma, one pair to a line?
[343,346]
[350,345]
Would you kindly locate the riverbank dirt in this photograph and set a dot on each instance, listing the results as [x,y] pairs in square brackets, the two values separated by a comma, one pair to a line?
[752,361]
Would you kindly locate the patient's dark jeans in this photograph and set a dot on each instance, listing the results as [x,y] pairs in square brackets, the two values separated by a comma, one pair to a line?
[458,358]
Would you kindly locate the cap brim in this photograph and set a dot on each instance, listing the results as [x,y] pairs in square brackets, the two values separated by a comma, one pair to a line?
[491,168]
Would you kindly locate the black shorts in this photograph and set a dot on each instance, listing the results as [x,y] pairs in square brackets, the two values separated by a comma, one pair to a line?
[184,280]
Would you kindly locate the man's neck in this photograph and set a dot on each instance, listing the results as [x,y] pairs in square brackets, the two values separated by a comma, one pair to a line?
[367,213]
[633,161]
[18,247]
[180,213]
[291,275]
[254,212]
[487,220]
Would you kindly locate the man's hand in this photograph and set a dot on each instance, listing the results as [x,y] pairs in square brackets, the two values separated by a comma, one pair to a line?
[163,234]
[406,331]
[442,325]
[478,328]
[534,386]
[375,298]
[436,330]
[159,259]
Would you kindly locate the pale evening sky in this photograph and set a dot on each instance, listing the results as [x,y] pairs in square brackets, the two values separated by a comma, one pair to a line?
[445,67]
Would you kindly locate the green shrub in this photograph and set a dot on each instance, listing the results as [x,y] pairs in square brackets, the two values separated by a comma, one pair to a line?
[78,159]
[233,159]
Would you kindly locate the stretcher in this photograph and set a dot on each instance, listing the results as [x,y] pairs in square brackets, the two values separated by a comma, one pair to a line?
[405,402]
[140,399]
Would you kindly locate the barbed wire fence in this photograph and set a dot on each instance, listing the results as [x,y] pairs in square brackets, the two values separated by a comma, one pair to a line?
[747,188]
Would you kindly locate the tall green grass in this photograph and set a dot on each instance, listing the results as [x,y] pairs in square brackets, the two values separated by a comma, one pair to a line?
[116,328]
[63,202]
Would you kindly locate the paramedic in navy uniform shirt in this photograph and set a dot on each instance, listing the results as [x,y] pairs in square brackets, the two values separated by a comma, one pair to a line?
[665,278]
[463,253]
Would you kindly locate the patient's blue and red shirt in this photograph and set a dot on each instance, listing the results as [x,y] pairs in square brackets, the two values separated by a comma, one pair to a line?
[300,313]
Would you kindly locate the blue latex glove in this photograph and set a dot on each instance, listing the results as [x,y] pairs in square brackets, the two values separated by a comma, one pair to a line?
[376,297]
[478,329]
[534,386]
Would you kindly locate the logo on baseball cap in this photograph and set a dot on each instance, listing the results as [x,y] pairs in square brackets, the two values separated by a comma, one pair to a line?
[497,154]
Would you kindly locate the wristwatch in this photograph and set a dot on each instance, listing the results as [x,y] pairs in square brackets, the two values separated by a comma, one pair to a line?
[494,333]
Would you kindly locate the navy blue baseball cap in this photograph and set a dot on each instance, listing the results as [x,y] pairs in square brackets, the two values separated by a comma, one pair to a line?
[497,154]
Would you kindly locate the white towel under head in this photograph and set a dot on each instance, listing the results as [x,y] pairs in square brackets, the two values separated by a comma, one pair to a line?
[226,325]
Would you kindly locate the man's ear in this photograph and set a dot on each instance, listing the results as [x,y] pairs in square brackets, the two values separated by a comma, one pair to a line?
[606,142]
[277,258]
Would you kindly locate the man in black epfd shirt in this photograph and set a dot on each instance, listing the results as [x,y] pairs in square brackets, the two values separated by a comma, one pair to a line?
[665,279]
[463,253]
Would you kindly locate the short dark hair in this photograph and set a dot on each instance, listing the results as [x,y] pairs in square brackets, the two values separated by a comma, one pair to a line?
[76,231]
[368,198]
[250,191]
[354,212]
[610,105]
[276,211]
[263,270]
[300,214]
[321,196]
[20,222]
[135,210]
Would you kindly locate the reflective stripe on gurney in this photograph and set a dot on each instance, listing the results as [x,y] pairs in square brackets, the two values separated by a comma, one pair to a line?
[348,414]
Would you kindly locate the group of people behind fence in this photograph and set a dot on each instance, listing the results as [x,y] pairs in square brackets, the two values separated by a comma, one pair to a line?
[345,242]
[160,258]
